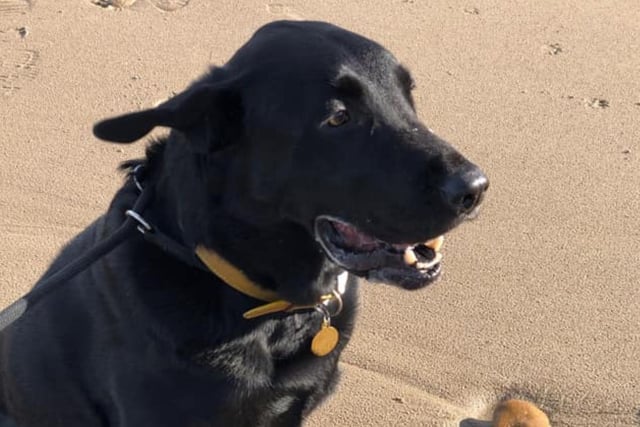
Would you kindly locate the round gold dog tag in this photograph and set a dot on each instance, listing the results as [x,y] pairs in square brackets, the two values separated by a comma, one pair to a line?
[325,341]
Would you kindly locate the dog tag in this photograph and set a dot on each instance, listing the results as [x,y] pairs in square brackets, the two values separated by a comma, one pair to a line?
[325,340]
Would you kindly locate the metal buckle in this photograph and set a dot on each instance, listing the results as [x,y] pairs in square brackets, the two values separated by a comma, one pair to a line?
[143,226]
[136,179]
[322,308]
[326,304]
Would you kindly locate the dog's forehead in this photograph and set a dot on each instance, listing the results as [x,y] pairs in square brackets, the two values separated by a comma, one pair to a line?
[310,49]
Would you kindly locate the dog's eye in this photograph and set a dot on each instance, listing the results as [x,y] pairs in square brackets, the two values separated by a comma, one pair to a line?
[338,118]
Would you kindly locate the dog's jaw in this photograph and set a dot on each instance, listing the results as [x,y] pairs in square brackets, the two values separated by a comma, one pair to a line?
[410,266]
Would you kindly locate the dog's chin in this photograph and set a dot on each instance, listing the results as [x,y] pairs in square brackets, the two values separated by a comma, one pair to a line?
[405,278]
[409,266]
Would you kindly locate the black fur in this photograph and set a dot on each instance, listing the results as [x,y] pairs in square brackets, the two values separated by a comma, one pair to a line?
[141,339]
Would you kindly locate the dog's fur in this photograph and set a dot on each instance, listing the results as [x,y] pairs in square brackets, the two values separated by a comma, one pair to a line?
[253,160]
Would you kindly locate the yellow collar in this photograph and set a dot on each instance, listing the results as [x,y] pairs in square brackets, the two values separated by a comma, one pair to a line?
[235,278]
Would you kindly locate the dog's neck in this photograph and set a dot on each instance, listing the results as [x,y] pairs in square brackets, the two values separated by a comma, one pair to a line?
[283,257]
[239,281]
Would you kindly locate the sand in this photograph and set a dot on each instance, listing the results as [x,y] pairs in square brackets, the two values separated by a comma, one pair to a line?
[541,294]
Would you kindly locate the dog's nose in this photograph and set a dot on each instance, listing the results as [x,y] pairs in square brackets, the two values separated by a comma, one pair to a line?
[464,190]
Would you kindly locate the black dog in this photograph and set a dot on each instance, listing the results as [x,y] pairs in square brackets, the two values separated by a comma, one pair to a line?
[298,160]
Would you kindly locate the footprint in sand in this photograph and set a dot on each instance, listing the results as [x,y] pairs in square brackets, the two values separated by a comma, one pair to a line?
[164,5]
[14,6]
[283,10]
[169,5]
[17,68]
[114,4]
[597,103]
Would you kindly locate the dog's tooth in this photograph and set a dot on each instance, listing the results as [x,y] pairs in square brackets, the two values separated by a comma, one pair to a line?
[410,257]
[435,244]
[436,259]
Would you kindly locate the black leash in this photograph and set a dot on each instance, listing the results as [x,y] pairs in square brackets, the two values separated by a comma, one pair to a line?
[50,283]
[166,243]
[98,251]
[133,221]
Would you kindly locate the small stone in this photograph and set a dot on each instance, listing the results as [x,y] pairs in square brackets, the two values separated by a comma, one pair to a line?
[626,151]
[23,31]
[398,399]
[516,412]
[597,103]
[472,10]
[554,48]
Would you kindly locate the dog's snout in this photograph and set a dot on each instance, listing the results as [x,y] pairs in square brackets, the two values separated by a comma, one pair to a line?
[464,191]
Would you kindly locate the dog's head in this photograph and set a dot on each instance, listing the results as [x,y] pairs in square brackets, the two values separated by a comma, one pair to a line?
[319,129]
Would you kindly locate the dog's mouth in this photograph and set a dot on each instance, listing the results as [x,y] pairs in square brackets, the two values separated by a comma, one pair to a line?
[411,266]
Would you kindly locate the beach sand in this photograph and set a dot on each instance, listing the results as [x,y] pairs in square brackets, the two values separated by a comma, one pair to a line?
[540,297]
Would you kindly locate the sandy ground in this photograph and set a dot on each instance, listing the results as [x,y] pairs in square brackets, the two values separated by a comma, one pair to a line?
[541,295]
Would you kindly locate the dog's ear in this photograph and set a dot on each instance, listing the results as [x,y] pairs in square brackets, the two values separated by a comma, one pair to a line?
[197,109]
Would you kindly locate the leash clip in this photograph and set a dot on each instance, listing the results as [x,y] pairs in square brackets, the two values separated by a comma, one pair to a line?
[324,306]
[336,295]
[143,226]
